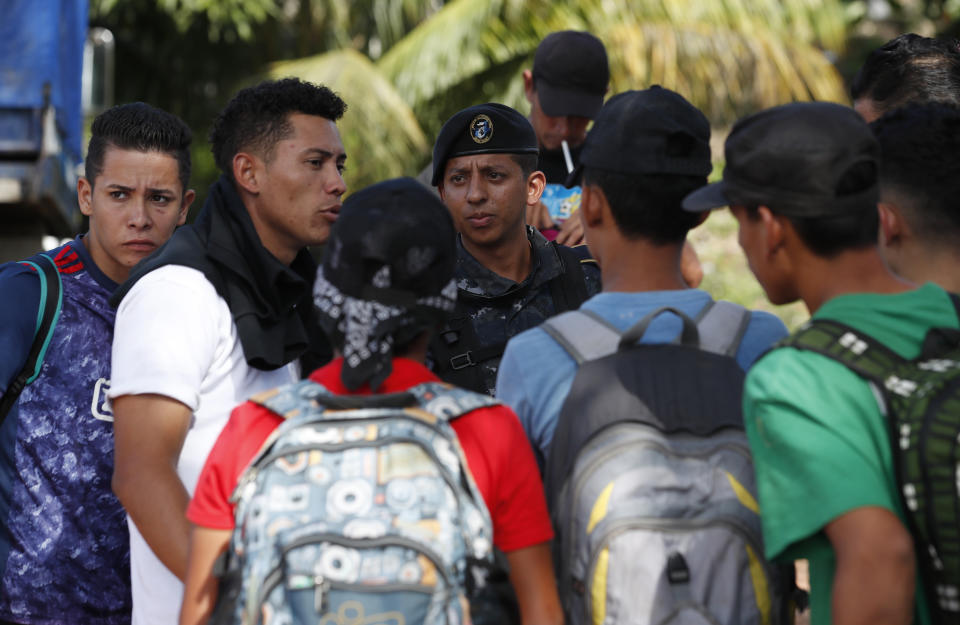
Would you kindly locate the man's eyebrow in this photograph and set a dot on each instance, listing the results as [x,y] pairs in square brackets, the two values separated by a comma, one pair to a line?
[119,187]
[160,190]
[340,156]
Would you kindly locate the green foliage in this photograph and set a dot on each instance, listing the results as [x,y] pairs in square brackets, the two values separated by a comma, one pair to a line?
[926,17]
[226,19]
[370,26]
[379,131]
[729,57]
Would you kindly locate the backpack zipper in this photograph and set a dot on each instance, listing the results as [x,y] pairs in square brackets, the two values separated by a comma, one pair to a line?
[667,525]
[275,577]
[605,455]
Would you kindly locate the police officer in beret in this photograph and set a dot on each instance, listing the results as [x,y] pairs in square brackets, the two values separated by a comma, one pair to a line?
[510,278]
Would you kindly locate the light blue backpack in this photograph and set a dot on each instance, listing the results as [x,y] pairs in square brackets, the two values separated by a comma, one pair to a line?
[358,509]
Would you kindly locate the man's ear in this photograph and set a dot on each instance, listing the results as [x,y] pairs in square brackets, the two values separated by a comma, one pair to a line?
[188,199]
[892,227]
[528,89]
[592,201]
[536,183]
[246,171]
[85,196]
[773,230]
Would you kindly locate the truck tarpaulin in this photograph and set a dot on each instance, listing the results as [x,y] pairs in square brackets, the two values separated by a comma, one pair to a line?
[41,43]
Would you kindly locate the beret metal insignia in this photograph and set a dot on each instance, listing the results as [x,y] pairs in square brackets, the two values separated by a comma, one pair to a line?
[481,129]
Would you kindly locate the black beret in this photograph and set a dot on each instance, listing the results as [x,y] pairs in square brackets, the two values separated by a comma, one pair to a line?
[483,129]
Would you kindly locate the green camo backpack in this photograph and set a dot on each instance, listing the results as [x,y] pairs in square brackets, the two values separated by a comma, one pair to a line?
[921,400]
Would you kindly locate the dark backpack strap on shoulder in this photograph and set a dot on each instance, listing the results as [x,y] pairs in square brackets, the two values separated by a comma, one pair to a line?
[448,402]
[689,335]
[289,401]
[860,352]
[48,312]
[569,289]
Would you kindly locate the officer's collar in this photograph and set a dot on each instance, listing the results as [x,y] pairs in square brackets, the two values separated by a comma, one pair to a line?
[475,280]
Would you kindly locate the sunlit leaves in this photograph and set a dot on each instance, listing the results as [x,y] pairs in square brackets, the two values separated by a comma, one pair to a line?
[379,131]
[226,18]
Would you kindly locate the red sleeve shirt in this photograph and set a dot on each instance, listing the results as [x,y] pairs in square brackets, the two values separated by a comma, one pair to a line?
[495,446]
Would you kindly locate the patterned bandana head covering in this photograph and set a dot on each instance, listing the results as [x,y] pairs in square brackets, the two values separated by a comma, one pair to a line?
[387,276]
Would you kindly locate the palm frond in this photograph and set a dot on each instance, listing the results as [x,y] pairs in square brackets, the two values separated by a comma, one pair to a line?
[379,131]
[472,50]
[467,38]
[726,73]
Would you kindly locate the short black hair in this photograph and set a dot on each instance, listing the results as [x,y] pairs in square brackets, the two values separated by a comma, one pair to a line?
[527,162]
[853,229]
[648,206]
[259,116]
[910,69]
[919,164]
[141,127]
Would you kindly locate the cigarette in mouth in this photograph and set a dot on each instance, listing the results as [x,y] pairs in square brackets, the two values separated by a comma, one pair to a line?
[566,155]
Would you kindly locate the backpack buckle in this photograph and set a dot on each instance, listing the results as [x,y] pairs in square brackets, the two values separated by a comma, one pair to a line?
[462,361]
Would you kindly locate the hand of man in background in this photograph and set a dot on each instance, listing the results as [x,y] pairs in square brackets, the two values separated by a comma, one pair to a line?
[571,232]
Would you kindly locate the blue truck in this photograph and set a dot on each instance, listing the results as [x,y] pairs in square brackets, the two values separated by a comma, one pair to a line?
[41,122]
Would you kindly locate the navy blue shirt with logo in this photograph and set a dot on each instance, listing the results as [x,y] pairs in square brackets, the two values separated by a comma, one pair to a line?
[64,545]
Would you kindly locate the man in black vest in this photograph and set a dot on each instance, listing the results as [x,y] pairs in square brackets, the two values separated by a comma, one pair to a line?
[510,278]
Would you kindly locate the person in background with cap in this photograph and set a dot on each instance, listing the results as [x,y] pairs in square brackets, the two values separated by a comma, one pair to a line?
[381,349]
[919,187]
[633,183]
[908,69]
[801,181]
[510,278]
[565,89]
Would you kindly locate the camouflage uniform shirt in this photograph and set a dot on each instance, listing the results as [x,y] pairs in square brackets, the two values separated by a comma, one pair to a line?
[498,308]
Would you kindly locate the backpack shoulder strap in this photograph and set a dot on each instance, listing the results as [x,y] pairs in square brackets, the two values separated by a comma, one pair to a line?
[722,326]
[860,352]
[288,401]
[447,402]
[584,334]
[295,399]
[48,312]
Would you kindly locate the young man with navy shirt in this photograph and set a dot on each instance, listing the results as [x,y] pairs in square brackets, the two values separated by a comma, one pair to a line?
[646,151]
[64,548]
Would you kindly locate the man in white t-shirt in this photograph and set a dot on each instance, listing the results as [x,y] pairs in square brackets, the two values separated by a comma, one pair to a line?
[218,314]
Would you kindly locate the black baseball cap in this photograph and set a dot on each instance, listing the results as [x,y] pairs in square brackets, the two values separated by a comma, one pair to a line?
[794,159]
[654,131]
[571,74]
[483,129]
[398,224]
